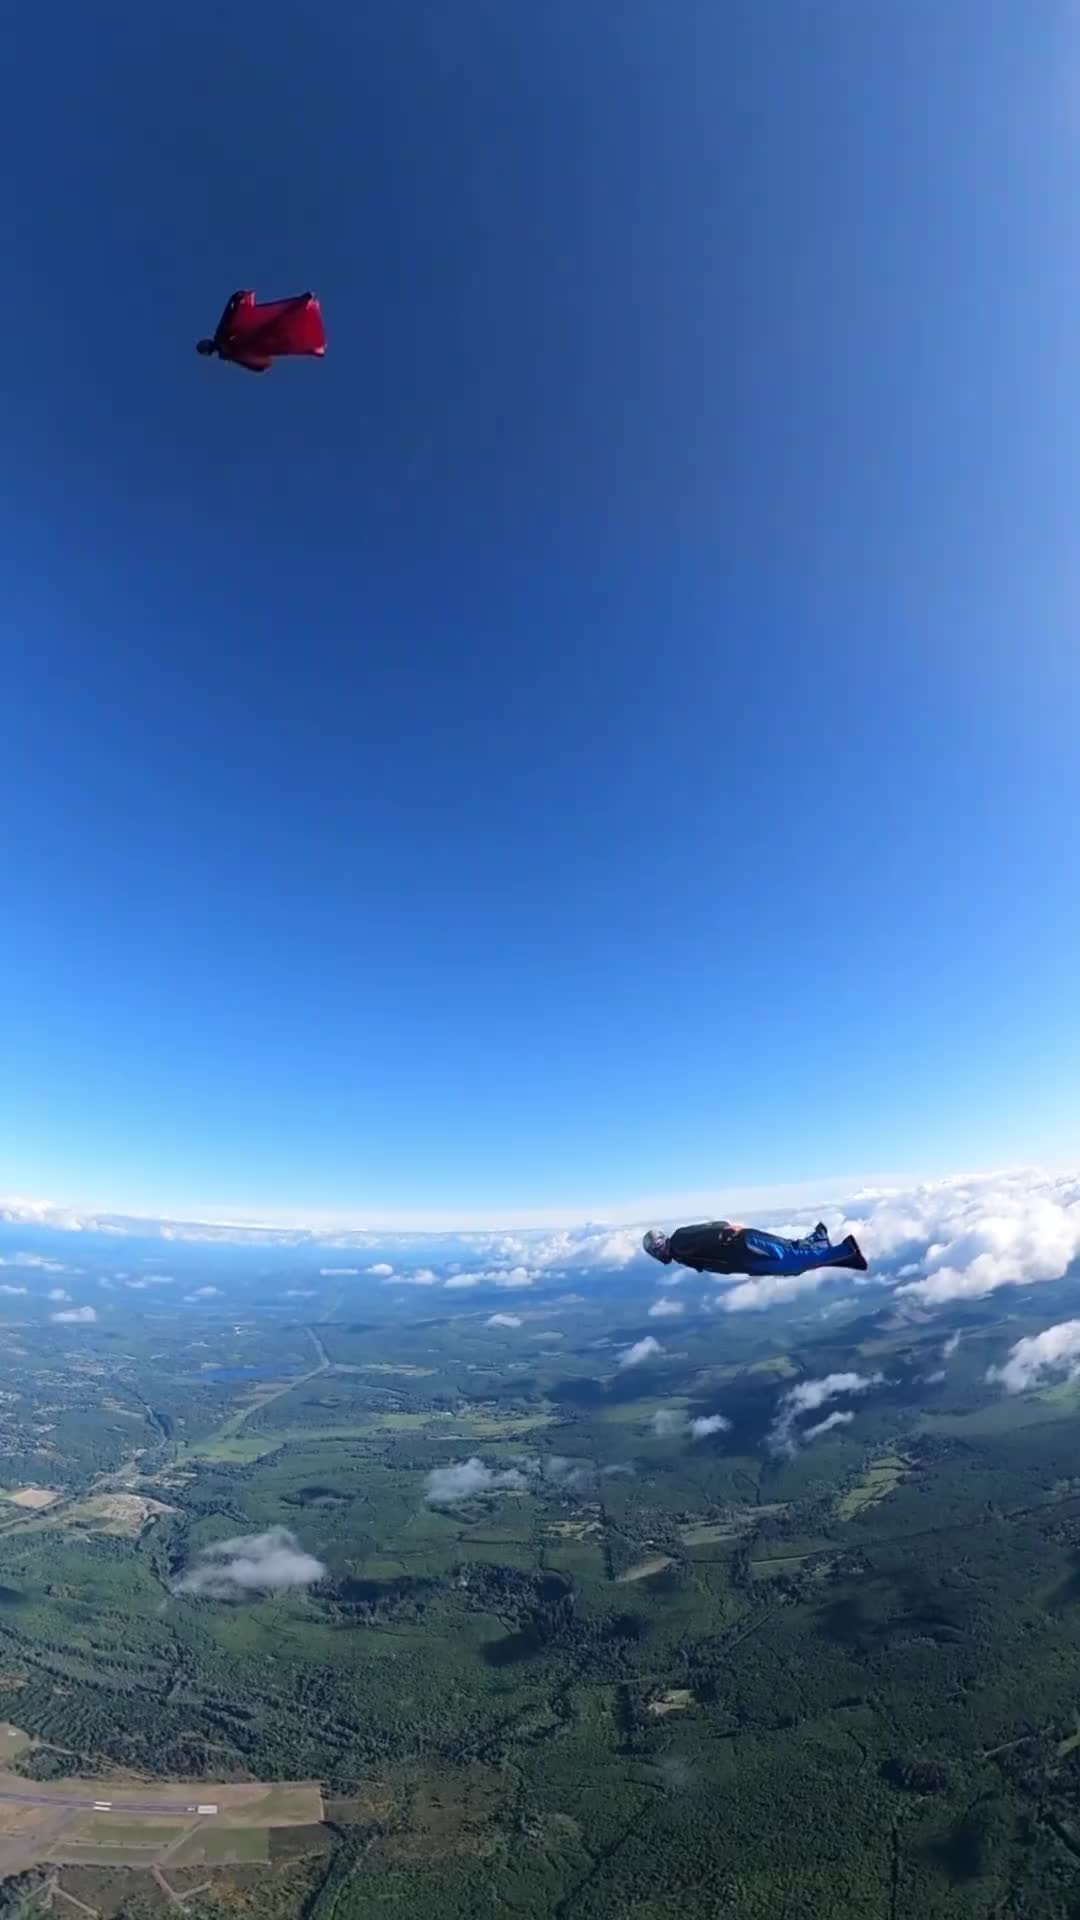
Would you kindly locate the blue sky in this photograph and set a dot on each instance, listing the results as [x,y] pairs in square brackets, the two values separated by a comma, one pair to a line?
[610,730]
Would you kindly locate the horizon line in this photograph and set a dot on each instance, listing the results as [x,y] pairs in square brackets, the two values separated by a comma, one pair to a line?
[19,1210]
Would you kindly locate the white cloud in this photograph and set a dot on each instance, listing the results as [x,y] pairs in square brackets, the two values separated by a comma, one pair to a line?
[382,1270]
[300,1293]
[251,1563]
[1054,1351]
[950,1346]
[7,1289]
[709,1423]
[75,1316]
[947,1240]
[34,1260]
[509,1280]
[830,1421]
[517,1277]
[156,1279]
[807,1397]
[773,1290]
[668,1422]
[422,1278]
[58,1293]
[529,1473]
[570,1476]
[503,1320]
[977,1236]
[665,1309]
[575,1249]
[202,1293]
[641,1350]
[341,1273]
[447,1485]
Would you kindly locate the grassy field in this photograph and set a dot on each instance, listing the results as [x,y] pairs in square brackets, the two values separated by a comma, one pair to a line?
[881,1478]
[249,1445]
[148,1837]
[220,1846]
[1004,1416]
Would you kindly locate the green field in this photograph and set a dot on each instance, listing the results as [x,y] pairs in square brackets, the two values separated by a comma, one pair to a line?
[214,1847]
[881,1478]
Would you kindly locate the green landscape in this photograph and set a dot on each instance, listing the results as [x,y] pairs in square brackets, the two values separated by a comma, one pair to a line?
[549,1650]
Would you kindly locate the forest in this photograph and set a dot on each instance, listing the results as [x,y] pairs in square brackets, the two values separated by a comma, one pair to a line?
[545,1644]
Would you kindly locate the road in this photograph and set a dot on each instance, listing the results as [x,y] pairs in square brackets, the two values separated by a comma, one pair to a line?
[79,1804]
[324,1357]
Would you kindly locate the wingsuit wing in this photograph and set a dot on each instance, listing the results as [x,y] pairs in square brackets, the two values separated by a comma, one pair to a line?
[254,333]
[292,326]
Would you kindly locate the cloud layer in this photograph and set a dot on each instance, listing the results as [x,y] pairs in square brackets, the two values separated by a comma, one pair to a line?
[968,1238]
[251,1563]
[945,1240]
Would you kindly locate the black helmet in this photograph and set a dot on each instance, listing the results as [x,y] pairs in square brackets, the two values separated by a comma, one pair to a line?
[656,1243]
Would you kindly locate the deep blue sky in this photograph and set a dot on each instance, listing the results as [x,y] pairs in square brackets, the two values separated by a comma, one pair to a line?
[609,730]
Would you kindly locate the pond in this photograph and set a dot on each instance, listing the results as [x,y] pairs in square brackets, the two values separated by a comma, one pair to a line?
[262,1370]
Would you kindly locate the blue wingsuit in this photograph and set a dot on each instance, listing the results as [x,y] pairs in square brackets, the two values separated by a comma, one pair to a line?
[718,1247]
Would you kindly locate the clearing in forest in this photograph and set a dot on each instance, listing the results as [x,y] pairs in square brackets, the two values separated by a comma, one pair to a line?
[122,1514]
[644,1569]
[882,1477]
[675,1700]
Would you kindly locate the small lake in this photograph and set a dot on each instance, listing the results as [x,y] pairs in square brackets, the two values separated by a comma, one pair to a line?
[263,1370]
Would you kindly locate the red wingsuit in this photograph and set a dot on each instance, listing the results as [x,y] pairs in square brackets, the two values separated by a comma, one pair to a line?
[254,334]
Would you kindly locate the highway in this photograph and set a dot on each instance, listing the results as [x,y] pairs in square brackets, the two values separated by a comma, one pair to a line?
[78,1804]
